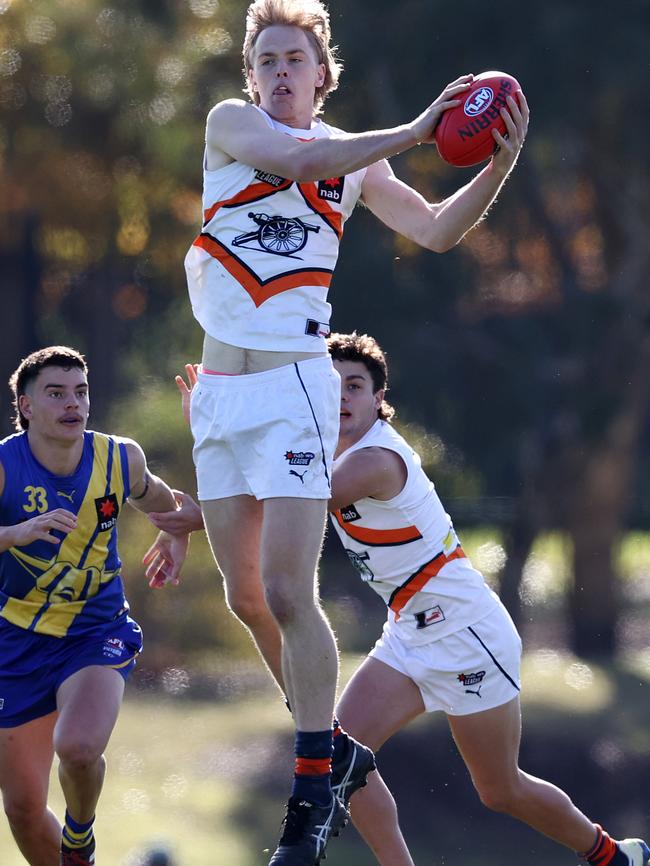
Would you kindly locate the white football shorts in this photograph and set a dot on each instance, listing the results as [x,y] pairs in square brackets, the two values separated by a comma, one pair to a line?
[267,434]
[474,669]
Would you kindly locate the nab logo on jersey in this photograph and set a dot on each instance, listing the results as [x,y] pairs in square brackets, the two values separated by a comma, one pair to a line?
[349,514]
[107,511]
[331,189]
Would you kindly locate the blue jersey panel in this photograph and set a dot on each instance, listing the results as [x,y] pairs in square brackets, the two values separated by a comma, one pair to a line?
[70,588]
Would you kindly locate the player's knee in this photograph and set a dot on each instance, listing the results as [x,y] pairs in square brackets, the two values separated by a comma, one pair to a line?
[281,603]
[500,797]
[23,809]
[250,609]
[77,755]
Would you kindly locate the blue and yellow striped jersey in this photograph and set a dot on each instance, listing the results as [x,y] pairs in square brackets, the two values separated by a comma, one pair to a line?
[73,587]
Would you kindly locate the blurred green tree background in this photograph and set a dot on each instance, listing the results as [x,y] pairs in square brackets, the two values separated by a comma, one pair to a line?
[523,354]
[520,361]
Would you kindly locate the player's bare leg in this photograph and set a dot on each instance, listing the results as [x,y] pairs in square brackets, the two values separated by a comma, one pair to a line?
[489,744]
[292,536]
[89,702]
[26,755]
[234,527]
[377,702]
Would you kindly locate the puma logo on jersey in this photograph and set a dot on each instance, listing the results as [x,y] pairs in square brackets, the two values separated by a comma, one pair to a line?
[299,475]
[66,495]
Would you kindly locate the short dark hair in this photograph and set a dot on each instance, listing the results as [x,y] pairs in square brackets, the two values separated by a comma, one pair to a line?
[364,348]
[31,366]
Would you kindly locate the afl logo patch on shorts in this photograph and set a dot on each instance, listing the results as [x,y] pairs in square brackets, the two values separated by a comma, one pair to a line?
[107,511]
[113,647]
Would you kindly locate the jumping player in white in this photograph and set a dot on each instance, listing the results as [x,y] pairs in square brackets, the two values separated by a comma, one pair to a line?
[279,184]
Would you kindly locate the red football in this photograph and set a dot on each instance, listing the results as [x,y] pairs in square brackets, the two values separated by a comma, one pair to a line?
[464,134]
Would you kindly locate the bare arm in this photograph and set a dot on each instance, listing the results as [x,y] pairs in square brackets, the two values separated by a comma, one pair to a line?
[237,131]
[440,226]
[151,493]
[148,491]
[370,472]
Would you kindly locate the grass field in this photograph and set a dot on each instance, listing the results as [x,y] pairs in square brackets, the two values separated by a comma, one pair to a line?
[207,779]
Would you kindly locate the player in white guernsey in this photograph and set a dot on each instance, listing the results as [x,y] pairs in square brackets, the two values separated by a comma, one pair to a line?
[279,185]
[448,643]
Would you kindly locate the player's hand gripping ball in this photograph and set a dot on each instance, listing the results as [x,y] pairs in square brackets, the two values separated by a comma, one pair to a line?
[464,134]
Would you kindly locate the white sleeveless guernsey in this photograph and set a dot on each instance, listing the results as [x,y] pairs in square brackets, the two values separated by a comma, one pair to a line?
[259,272]
[407,550]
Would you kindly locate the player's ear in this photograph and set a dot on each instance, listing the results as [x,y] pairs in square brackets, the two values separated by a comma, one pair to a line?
[379,398]
[320,75]
[25,406]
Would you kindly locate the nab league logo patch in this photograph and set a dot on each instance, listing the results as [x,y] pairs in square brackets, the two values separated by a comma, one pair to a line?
[472,680]
[299,458]
[349,514]
[331,189]
[107,511]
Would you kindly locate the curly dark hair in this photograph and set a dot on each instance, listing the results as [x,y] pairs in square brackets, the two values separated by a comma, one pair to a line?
[364,348]
[31,366]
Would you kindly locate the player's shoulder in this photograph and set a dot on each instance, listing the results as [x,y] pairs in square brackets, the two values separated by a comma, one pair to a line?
[10,449]
[13,440]
[233,111]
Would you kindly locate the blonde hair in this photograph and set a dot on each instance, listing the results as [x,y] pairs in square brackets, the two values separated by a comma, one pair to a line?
[312,17]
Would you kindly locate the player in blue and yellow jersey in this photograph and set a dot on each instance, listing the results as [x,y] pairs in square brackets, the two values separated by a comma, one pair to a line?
[67,642]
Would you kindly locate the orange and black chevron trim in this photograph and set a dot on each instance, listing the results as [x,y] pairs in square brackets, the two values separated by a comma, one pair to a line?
[379,537]
[261,290]
[413,584]
[333,218]
[254,192]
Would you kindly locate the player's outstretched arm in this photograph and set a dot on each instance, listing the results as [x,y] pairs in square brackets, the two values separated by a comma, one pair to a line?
[151,493]
[440,226]
[238,131]
[186,518]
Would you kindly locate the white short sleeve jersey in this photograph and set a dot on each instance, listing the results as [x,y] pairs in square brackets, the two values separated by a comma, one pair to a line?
[407,550]
[259,272]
